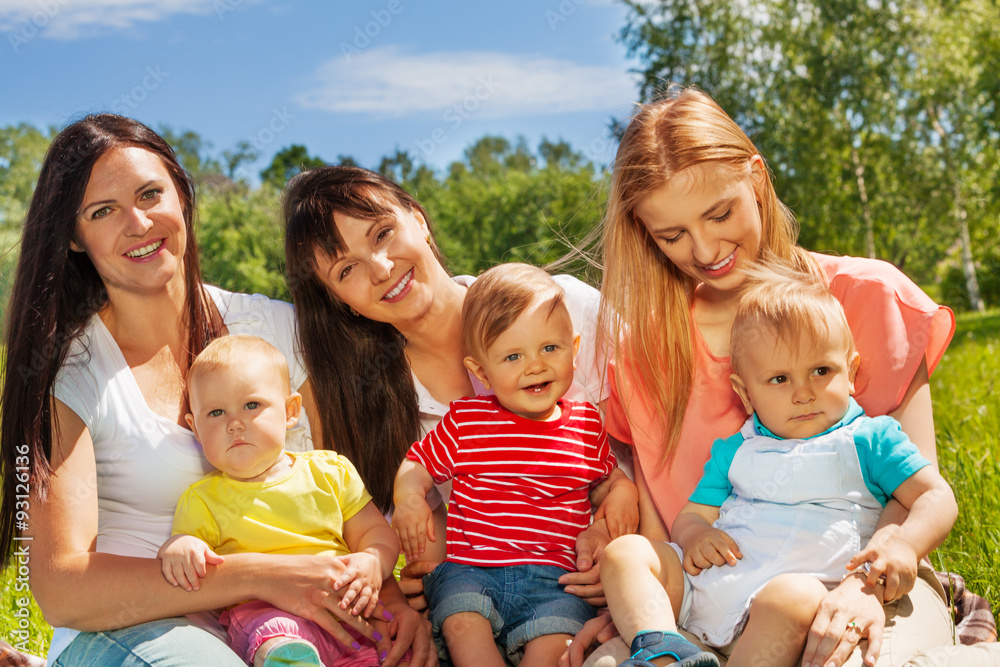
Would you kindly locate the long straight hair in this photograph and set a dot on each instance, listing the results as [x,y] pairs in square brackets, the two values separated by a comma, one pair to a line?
[649,328]
[57,291]
[358,367]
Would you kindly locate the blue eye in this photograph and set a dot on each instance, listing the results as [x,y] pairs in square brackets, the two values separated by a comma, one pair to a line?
[551,348]
[252,405]
[512,357]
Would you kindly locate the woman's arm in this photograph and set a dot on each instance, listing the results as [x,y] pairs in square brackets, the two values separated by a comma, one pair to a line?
[79,588]
[916,414]
[651,526]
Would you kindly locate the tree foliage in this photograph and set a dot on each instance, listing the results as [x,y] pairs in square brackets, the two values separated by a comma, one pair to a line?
[878,118]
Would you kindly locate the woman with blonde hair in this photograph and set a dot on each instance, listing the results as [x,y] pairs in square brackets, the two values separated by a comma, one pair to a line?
[691,206]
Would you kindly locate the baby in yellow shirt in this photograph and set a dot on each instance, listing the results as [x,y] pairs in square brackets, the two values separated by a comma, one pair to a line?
[263,499]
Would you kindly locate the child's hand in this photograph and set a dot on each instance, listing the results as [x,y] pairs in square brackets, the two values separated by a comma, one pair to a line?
[413,522]
[620,508]
[363,576]
[893,561]
[184,559]
[710,547]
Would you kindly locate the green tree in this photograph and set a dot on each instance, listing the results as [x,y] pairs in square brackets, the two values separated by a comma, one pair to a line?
[22,149]
[241,240]
[288,162]
[192,152]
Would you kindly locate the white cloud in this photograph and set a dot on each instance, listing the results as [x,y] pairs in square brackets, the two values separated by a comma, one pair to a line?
[386,81]
[70,19]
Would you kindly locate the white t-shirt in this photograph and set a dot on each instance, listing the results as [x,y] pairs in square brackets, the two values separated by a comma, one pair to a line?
[145,461]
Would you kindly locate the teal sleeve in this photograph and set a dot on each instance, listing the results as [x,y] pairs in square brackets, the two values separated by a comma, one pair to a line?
[888,457]
[714,487]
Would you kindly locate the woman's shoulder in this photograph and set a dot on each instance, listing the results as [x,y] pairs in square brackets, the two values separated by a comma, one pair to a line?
[865,279]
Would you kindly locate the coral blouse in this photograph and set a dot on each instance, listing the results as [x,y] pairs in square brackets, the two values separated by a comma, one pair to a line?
[895,327]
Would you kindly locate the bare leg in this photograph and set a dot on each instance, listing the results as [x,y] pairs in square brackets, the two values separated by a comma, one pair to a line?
[644,584]
[780,617]
[469,637]
[544,651]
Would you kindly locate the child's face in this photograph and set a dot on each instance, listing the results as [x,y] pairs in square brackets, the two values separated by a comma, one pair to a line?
[797,391]
[240,416]
[530,365]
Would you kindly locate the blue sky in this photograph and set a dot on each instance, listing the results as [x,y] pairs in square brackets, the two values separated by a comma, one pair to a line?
[359,78]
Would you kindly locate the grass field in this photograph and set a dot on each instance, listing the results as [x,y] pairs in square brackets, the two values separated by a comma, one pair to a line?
[967,416]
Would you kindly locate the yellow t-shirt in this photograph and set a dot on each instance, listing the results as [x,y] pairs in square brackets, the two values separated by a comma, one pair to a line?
[302,512]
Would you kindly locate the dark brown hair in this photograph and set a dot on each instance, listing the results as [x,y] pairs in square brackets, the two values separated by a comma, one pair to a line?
[57,291]
[359,372]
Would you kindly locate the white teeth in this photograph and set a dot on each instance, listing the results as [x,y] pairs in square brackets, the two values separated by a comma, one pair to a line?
[399,288]
[145,250]
[716,267]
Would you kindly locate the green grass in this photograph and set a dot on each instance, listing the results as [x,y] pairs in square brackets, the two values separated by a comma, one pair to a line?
[21,624]
[967,418]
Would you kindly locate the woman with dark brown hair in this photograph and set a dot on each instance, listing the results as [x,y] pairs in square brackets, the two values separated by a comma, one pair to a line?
[107,312]
[380,327]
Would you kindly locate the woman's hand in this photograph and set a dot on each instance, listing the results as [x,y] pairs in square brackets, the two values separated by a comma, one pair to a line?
[407,629]
[595,631]
[304,585]
[411,582]
[848,614]
[585,583]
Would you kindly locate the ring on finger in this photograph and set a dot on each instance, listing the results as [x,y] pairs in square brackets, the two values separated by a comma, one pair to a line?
[853,626]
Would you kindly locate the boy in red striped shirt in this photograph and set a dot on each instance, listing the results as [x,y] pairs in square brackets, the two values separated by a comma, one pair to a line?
[525,465]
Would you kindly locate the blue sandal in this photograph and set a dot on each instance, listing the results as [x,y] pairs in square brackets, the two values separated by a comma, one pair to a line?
[654,644]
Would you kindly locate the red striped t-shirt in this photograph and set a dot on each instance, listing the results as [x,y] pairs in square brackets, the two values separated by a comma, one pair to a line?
[520,490]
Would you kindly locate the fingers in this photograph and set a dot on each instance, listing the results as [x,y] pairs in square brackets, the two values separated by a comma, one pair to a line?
[689,565]
[859,559]
[830,641]
[429,528]
[417,570]
[591,594]
[874,632]
[582,578]
[732,552]
[168,574]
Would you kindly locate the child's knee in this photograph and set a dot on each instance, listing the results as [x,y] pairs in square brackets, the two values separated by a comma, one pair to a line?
[628,552]
[794,597]
[463,625]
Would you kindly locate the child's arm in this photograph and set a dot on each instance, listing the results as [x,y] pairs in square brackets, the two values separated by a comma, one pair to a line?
[703,545]
[894,550]
[412,518]
[183,560]
[618,502]
[374,551]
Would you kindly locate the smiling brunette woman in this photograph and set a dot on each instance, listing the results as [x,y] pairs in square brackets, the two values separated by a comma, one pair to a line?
[106,314]
[380,327]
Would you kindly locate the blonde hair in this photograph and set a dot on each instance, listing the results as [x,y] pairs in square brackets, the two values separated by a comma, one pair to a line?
[239,351]
[787,305]
[645,315]
[497,299]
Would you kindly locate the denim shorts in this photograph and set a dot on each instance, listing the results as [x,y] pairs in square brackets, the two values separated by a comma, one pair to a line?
[521,602]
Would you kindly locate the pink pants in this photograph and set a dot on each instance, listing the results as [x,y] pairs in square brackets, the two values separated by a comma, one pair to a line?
[253,623]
